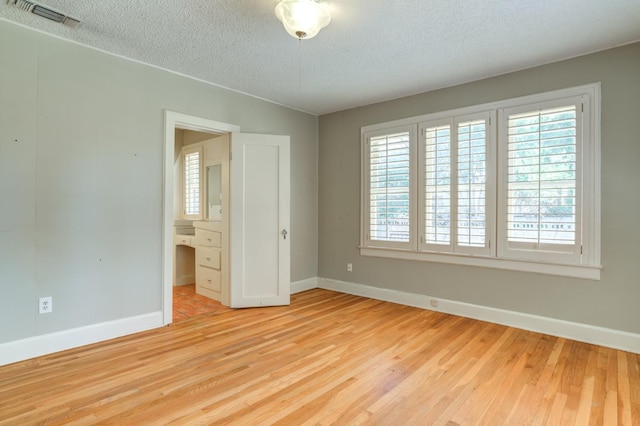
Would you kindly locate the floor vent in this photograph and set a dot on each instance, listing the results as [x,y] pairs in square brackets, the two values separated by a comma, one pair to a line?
[45,12]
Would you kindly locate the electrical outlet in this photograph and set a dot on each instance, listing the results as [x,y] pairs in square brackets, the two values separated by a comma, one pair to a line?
[349,267]
[434,303]
[45,305]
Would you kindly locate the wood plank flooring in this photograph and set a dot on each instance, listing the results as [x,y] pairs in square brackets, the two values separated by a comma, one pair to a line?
[329,358]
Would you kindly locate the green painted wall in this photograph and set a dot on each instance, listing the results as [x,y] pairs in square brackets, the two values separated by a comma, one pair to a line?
[81,175]
[611,302]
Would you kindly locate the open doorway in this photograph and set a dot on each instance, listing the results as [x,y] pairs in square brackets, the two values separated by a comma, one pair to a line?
[175,123]
[191,300]
[257,240]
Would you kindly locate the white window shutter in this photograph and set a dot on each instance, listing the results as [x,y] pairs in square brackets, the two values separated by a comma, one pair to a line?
[388,204]
[474,183]
[192,166]
[436,179]
[454,171]
[542,197]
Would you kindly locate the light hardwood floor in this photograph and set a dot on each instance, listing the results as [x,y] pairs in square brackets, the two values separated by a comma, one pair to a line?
[329,358]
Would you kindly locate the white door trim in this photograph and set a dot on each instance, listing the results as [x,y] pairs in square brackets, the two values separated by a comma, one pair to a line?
[173,120]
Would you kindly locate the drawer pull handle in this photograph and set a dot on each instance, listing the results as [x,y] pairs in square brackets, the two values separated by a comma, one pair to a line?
[208,258]
[209,280]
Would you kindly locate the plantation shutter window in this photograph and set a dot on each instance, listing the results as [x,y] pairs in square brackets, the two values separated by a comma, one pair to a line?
[513,184]
[192,183]
[437,184]
[472,183]
[454,175]
[389,189]
[543,175]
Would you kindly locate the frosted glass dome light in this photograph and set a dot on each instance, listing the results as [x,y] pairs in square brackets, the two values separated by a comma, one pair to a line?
[303,19]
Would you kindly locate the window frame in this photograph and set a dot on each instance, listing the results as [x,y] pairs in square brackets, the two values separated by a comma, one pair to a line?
[588,265]
[187,150]
[366,189]
[454,246]
[569,254]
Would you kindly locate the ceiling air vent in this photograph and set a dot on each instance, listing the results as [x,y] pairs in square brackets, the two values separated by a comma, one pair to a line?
[45,12]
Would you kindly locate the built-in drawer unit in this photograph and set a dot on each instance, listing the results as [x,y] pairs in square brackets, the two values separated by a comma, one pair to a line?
[208,278]
[208,244]
[208,238]
[183,240]
[208,258]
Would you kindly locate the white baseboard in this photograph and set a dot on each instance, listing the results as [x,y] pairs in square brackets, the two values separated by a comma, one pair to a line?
[571,330]
[303,285]
[20,350]
[32,347]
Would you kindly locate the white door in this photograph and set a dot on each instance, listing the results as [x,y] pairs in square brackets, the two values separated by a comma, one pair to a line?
[259,216]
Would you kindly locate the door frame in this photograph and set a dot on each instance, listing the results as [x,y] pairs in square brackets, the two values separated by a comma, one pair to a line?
[172,121]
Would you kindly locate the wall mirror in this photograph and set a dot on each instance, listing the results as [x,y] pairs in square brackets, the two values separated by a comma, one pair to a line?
[214,192]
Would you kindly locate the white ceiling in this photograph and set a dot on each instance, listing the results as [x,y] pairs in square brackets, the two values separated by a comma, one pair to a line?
[373,50]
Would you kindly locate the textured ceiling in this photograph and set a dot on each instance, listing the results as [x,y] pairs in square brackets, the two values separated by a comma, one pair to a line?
[373,50]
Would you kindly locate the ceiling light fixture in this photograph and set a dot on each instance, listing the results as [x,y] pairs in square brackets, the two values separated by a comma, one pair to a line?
[303,19]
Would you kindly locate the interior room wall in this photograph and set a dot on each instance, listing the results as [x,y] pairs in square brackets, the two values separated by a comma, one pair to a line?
[611,302]
[81,175]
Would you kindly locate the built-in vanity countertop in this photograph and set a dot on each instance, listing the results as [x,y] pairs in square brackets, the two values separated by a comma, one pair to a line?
[184,233]
[198,232]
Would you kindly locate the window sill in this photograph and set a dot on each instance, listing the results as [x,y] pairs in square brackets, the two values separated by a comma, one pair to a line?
[573,271]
